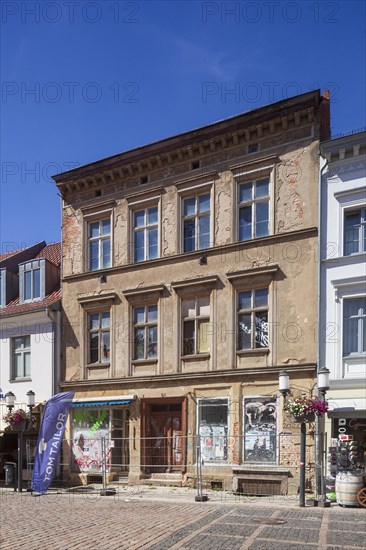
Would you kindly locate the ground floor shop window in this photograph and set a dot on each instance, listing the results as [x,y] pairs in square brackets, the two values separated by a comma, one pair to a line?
[213,420]
[90,434]
[260,429]
[348,443]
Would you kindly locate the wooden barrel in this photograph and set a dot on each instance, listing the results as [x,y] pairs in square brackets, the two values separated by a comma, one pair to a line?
[348,484]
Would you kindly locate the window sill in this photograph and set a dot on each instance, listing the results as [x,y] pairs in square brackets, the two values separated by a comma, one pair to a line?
[98,366]
[248,352]
[153,360]
[20,379]
[196,357]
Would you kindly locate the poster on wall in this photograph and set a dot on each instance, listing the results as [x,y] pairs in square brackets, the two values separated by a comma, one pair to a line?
[89,428]
[260,429]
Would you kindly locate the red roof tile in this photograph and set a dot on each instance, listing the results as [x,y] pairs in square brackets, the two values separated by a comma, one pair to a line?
[14,307]
[8,254]
[51,252]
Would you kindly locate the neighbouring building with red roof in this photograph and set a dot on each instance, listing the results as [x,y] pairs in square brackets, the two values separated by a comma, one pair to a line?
[30,304]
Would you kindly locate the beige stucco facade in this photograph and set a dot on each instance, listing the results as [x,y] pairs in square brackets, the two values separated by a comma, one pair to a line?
[285,140]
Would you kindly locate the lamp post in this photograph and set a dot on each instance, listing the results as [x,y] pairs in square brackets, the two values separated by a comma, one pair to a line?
[323,387]
[284,387]
[10,401]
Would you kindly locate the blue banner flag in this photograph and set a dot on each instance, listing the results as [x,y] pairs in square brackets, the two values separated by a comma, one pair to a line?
[50,440]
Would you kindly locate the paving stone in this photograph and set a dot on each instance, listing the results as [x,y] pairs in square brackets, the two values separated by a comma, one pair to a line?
[346,538]
[283,533]
[260,544]
[231,529]
[76,522]
[348,525]
[211,542]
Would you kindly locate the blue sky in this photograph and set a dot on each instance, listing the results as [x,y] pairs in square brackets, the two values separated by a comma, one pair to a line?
[86,80]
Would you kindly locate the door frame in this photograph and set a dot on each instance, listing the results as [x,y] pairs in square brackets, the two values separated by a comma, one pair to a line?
[145,412]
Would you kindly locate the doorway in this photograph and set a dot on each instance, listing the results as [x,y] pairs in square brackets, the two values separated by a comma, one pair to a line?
[163,436]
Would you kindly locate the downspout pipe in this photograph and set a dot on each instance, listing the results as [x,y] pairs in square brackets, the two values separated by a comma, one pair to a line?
[52,314]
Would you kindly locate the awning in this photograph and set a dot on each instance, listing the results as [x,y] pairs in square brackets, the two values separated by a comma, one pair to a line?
[103,401]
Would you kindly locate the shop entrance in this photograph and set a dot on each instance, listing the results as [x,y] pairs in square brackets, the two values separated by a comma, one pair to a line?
[163,443]
[120,437]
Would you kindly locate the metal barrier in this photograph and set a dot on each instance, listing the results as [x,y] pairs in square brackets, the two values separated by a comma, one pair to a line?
[248,464]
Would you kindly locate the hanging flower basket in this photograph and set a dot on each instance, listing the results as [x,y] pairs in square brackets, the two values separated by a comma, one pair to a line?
[16,421]
[305,409]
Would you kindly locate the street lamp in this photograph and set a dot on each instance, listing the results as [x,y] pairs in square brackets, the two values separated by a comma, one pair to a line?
[10,401]
[323,387]
[284,387]
[323,381]
[31,401]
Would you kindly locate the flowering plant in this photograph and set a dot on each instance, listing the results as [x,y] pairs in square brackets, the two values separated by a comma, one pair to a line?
[304,406]
[16,419]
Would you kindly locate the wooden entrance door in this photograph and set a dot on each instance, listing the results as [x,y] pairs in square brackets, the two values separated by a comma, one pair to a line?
[164,446]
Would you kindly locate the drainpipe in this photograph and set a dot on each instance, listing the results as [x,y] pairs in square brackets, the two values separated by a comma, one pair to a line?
[319,424]
[52,314]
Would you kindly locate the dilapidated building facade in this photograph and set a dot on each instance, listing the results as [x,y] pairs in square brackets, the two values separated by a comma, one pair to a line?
[189,283]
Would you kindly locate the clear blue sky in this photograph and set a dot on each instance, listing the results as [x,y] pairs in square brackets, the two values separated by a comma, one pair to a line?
[86,80]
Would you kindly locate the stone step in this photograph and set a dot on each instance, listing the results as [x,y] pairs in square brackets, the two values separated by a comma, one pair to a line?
[168,476]
[161,482]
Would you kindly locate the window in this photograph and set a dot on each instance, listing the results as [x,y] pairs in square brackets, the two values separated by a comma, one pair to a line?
[145,332]
[2,287]
[213,429]
[196,223]
[21,357]
[145,227]
[195,164]
[90,426]
[99,242]
[355,232]
[99,347]
[354,326]
[196,320]
[252,323]
[143,180]
[31,281]
[260,429]
[253,209]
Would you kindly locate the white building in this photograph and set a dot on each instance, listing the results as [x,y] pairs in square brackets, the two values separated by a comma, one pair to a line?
[30,299]
[342,328]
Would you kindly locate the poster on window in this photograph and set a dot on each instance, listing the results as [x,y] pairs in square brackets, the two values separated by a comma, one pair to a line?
[260,429]
[89,428]
[213,442]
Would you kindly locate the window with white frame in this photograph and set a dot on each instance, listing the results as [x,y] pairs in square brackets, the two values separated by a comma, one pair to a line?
[145,341]
[213,427]
[21,355]
[355,231]
[260,429]
[253,209]
[2,287]
[145,232]
[252,319]
[99,244]
[196,222]
[32,281]
[99,337]
[354,326]
[196,325]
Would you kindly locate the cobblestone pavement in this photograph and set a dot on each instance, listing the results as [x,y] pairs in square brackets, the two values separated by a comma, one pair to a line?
[156,522]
